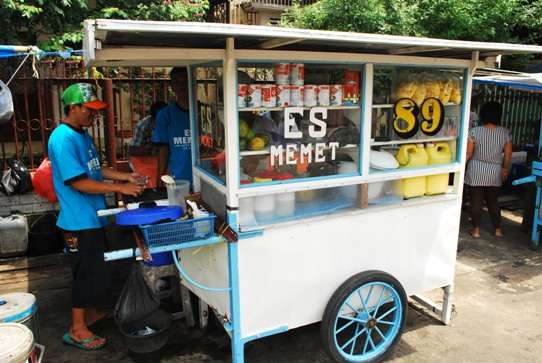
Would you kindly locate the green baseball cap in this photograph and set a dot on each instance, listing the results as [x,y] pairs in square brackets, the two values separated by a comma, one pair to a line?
[82,94]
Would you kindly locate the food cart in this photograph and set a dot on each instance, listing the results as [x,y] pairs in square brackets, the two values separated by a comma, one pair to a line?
[338,160]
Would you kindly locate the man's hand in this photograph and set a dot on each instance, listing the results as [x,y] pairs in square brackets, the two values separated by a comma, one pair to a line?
[504,174]
[129,189]
[138,179]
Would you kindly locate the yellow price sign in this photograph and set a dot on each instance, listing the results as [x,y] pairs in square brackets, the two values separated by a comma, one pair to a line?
[432,112]
[405,122]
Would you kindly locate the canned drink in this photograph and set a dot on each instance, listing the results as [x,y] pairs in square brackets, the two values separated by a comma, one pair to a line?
[296,96]
[336,95]
[323,95]
[310,95]
[283,95]
[269,95]
[254,96]
[350,93]
[242,91]
[282,73]
[297,74]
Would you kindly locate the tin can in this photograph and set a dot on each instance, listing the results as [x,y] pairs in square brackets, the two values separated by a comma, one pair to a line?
[297,74]
[323,95]
[283,95]
[336,95]
[296,96]
[269,95]
[242,91]
[254,96]
[350,93]
[282,73]
[310,95]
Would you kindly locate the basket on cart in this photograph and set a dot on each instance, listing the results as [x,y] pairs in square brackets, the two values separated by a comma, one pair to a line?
[163,234]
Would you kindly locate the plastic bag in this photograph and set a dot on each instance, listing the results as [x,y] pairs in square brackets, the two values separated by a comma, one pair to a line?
[137,300]
[16,179]
[43,181]
[6,103]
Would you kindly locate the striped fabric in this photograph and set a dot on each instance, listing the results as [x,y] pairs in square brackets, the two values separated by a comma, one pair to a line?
[485,167]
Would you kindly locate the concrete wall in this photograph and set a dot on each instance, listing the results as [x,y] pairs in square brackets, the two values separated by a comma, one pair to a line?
[29,203]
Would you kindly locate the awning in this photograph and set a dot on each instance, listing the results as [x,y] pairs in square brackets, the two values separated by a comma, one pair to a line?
[106,34]
[522,81]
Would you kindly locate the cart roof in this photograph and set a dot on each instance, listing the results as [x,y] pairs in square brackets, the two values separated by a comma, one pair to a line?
[129,33]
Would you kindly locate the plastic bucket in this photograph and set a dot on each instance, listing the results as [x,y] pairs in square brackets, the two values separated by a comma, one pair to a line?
[16,343]
[160,259]
[20,307]
[159,322]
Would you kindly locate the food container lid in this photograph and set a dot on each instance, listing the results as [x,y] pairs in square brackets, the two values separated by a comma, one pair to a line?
[148,215]
[16,306]
[382,160]
[16,342]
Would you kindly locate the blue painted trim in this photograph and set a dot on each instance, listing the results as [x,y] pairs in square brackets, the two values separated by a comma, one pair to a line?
[191,281]
[460,157]
[210,175]
[235,313]
[250,234]
[193,122]
[516,85]
[280,329]
[400,170]
[128,253]
[22,315]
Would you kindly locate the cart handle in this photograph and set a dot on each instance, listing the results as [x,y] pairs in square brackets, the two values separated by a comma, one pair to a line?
[528,179]
[192,281]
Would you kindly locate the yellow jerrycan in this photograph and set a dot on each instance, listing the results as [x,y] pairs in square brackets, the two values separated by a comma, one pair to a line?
[412,156]
[439,153]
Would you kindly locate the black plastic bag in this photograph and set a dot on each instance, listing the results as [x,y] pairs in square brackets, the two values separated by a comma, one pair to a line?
[16,179]
[137,301]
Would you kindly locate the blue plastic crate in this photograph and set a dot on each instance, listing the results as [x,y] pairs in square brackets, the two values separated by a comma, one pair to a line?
[164,234]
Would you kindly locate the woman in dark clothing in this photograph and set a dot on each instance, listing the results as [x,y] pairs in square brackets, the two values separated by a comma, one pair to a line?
[489,151]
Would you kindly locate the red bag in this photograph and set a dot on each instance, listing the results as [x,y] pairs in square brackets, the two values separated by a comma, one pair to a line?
[43,181]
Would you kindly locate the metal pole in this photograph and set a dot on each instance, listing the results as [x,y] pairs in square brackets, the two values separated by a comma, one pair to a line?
[111,145]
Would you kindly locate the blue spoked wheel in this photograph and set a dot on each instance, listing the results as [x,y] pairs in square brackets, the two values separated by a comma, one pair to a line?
[364,318]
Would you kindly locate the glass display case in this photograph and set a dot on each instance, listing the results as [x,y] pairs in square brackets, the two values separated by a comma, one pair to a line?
[298,121]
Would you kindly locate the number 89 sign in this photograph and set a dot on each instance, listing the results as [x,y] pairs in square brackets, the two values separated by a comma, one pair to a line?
[406,117]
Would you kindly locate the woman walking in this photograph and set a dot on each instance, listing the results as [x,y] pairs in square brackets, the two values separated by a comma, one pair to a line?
[489,151]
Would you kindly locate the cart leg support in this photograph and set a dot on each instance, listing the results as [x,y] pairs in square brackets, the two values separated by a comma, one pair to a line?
[444,312]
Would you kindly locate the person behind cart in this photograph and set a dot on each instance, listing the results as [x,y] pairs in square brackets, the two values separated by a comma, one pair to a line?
[78,180]
[172,131]
[141,144]
[487,168]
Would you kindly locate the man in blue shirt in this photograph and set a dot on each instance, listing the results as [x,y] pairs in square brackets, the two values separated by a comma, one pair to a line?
[78,179]
[172,131]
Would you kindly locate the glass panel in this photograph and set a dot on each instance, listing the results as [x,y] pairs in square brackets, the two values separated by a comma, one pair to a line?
[209,113]
[415,119]
[275,208]
[298,121]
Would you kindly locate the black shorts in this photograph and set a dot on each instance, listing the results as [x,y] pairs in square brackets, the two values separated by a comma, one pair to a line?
[91,279]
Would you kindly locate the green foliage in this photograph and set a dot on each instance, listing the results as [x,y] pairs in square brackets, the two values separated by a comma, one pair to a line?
[57,24]
[482,20]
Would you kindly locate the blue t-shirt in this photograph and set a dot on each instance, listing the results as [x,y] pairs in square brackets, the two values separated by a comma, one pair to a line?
[73,156]
[173,128]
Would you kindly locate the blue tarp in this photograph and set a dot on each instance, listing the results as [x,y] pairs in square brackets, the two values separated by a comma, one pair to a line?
[525,82]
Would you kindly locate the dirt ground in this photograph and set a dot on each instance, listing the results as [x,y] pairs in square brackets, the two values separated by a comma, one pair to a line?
[497,318]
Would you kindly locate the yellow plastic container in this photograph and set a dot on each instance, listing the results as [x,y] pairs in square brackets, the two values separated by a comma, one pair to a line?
[412,156]
[439,153]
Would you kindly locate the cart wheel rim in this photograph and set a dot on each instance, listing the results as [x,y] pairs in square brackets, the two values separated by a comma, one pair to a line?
[368,322]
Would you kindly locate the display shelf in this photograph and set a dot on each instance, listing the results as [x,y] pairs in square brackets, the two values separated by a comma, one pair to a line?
[267,150]
[390,105]
[413,141]
[264,109]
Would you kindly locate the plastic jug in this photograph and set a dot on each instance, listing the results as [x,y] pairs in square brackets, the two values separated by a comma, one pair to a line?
[412,156]
[437,154]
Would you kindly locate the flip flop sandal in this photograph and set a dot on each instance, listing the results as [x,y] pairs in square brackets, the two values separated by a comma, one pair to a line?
[85,344]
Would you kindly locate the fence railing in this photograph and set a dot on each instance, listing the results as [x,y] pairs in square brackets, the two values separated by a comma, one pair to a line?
[38,107]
